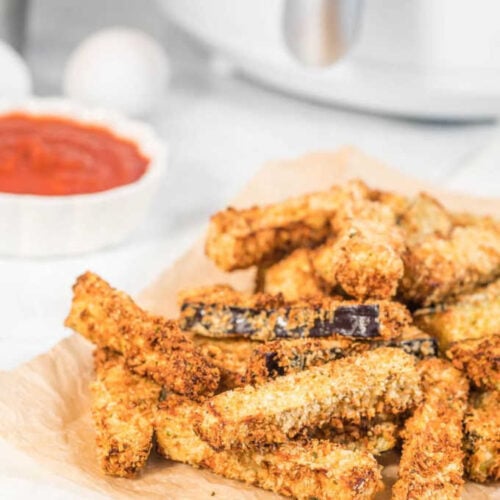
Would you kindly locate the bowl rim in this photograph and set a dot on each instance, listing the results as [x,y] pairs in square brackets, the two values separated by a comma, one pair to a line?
[149,143]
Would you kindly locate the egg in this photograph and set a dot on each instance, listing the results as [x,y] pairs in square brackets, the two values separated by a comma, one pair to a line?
[118,68]
[15,77]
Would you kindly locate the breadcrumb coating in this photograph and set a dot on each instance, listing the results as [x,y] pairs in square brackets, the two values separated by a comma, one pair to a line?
[123,407]
[362,261]
[152,346]
[375,437]
[220,311]
[364,258]
[293,276]
[318,469]
[230,356]
[439,267]
[479,359]
[468,219]
[482,437]
[396,202]
[282,357]
[431,465]
[238,239]
[474,315]
[351,389]
[425,216]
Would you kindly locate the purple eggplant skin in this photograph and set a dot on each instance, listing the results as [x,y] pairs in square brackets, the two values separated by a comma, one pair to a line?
[361,321]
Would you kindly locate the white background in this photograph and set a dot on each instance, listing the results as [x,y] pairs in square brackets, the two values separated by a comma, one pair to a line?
[220,129]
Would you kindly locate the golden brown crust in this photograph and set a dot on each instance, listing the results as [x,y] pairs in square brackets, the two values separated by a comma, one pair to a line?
[482,437]
[152,346]
[468,219]
[221,311]
[282,357]
[318,469]
[479,359]
[474,315]
[425,216]
[123,406]
[351,389]
[364,259]
[230,356]
[374,436]
[238,239]
[431,465]
[439,267]
[293,276]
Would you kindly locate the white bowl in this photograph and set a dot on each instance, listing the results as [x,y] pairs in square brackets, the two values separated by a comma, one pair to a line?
[33,225]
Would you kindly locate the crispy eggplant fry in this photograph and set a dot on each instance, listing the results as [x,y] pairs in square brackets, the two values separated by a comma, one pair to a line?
[318,469]
[152,346]
[396,202]
[482,437]
[351,389]
[468,219]
[376,437]
[364,259]
[123,407]
[220,311]
[425,216]
[238,239]
[294,277]
[282,357]
[361,261]
[230,356]
[479,359]
[431,464]
[441,267]
[475,315]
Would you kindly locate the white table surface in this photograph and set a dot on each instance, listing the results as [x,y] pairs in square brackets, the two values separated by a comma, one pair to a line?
[220,129]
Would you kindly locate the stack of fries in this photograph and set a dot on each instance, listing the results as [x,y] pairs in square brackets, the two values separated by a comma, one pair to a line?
[374,325]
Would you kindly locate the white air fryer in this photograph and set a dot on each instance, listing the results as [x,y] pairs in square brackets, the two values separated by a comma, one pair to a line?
[436,59]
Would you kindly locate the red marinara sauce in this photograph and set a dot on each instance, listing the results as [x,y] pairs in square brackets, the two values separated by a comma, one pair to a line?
[48,155]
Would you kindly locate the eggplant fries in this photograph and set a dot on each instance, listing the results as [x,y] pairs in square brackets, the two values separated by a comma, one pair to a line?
[374,326]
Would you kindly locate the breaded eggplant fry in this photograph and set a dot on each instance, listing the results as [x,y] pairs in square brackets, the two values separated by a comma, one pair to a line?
[438,268]
[475,315]
[152,346]
[365,257]
[282,357]
[413,341]
[294,277]
[431,465]
[220,311]
[479,359]
[123,406]
[238,239]
[362,262]
[396,202]
[230,356]
[482,437]
[318,469]
[425,216]
[374,437]
[352,389]
[468,219]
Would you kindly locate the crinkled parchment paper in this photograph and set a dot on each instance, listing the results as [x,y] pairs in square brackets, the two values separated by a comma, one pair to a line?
[44,404]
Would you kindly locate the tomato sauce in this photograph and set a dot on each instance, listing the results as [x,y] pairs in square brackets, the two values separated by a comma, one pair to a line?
[47,155]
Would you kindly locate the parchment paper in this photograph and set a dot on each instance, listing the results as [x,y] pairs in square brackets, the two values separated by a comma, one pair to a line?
[44,404]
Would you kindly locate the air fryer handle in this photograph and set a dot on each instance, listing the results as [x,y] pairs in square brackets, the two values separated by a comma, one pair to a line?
[13,14]
[320,32]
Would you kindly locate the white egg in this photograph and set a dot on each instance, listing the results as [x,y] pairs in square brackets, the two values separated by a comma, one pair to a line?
[15,77]
[118,68]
